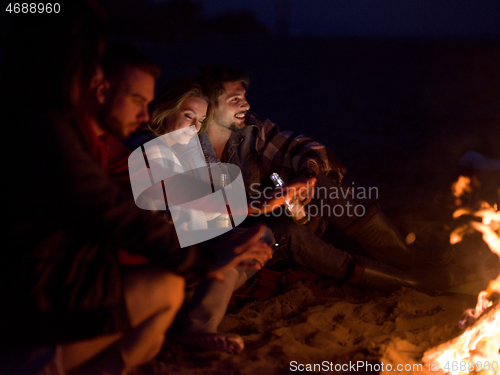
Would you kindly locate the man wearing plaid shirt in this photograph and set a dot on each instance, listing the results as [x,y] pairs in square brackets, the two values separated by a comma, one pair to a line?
[259,149]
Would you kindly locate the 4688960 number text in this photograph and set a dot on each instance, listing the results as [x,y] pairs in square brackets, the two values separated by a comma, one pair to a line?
[33,8]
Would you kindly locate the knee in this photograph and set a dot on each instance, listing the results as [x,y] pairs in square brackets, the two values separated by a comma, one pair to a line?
[149,292]
[172,289]
[287,232]
[284,229]
[166,291]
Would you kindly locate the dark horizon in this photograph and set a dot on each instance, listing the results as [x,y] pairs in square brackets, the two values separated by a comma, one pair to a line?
[366,18]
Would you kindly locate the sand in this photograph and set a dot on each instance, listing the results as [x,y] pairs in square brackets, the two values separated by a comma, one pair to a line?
[318,323]
[400,114]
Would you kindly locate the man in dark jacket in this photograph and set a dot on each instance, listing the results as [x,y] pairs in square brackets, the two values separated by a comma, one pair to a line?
[68,300]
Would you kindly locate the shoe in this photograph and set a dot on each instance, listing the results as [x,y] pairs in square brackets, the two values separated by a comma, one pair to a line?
[373,275]
[378,236]
[222,342]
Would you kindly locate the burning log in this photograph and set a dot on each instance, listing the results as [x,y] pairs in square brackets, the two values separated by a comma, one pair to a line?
[475,351]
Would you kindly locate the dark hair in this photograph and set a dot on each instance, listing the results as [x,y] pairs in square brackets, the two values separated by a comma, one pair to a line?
[213,76]
[119,56]
[170,99]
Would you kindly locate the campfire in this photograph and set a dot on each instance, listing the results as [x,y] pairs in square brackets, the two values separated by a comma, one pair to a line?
[477,349]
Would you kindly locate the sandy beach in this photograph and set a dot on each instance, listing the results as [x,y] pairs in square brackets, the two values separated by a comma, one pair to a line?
[399,114]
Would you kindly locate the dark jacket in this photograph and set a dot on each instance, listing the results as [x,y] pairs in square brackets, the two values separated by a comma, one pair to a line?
[66,219]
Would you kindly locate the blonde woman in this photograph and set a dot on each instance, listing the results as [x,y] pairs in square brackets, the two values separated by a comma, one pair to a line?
[178,114]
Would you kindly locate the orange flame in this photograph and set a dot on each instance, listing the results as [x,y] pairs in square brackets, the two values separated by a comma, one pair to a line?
[477,350]
[489,227]
[460,187]
[493,240]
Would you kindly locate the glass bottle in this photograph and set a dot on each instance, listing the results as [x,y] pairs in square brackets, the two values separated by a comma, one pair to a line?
[294,207]
[222,221]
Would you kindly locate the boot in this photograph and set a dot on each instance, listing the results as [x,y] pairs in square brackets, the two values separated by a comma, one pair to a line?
[381,240]
[377,276]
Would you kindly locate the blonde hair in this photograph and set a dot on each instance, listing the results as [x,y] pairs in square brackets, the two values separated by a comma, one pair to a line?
[170,100]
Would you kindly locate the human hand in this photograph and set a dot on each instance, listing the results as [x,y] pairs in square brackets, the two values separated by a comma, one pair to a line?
[302,188]
[241,249]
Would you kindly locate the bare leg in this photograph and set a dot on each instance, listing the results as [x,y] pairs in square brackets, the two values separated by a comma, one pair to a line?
[153,298]
[75,353]
[152,305]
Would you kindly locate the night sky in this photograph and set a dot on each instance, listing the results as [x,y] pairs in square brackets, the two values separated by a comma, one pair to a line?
[372,18]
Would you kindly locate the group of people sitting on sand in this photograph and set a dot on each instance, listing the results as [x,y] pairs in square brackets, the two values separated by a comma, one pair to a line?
[97,273]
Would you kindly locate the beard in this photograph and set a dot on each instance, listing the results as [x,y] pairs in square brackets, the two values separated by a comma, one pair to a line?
[115,125]
[229,123]
[235,128]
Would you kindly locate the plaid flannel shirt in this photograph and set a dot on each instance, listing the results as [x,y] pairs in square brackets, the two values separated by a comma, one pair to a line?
[260,149]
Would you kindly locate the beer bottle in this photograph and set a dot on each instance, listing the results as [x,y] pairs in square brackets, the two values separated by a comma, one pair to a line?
[294,207]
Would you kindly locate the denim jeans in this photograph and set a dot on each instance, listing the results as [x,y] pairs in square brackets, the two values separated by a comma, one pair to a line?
[302,243]
[211,297]
[210,300]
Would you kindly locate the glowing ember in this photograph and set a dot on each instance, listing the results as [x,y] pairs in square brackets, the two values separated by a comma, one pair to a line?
[461,186]
[477,350]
